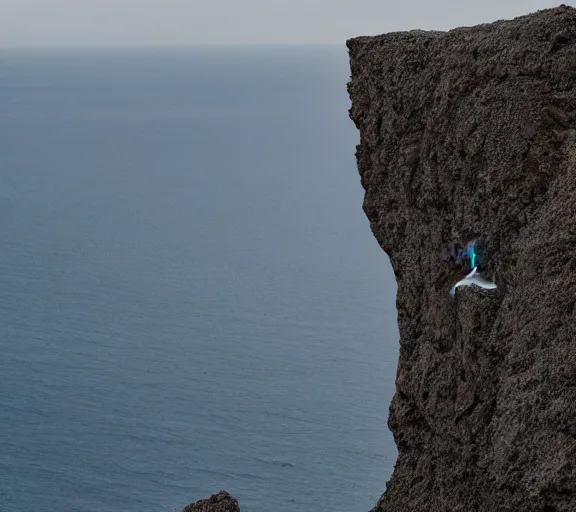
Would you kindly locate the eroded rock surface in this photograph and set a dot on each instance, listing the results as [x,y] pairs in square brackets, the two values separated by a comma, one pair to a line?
[221,502]
[463,134]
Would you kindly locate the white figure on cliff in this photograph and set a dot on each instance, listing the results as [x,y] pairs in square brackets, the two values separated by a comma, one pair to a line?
[472,279]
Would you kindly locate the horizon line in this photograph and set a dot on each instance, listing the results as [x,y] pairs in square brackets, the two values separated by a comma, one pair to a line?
[166,46]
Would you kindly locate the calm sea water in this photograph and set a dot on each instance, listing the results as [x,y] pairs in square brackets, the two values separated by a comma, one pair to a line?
[190,296]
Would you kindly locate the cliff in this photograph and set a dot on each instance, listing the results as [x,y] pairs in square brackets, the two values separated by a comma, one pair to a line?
[471,134]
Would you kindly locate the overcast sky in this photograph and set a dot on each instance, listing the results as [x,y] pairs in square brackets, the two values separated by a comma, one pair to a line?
[193,22]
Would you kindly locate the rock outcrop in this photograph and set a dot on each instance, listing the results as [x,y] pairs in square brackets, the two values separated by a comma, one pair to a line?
[221,502]
[464,134]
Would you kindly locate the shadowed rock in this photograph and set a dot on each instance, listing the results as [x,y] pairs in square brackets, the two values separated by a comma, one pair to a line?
[465,134]
[221,502]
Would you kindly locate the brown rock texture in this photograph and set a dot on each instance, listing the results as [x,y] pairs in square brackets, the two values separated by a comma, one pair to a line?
[221,502]
[464,134]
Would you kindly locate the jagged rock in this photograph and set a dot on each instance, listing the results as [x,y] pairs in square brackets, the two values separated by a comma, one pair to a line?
[464,134]
[221,502]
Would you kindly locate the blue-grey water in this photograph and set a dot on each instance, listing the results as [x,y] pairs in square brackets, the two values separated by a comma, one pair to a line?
[190,296]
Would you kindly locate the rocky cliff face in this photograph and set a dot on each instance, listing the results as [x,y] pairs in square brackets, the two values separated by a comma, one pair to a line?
[466,134]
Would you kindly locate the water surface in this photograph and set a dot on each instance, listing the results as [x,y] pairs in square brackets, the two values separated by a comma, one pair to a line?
[190,296]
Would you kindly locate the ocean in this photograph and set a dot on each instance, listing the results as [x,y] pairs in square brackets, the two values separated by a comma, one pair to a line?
[190,295]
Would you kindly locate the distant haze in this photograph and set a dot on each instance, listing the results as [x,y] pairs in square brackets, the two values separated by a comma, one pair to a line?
[33,23]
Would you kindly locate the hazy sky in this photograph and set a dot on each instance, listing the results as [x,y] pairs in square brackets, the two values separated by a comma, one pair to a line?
[190,22]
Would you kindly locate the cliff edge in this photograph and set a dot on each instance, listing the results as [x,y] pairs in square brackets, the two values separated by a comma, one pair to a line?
[470,134]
